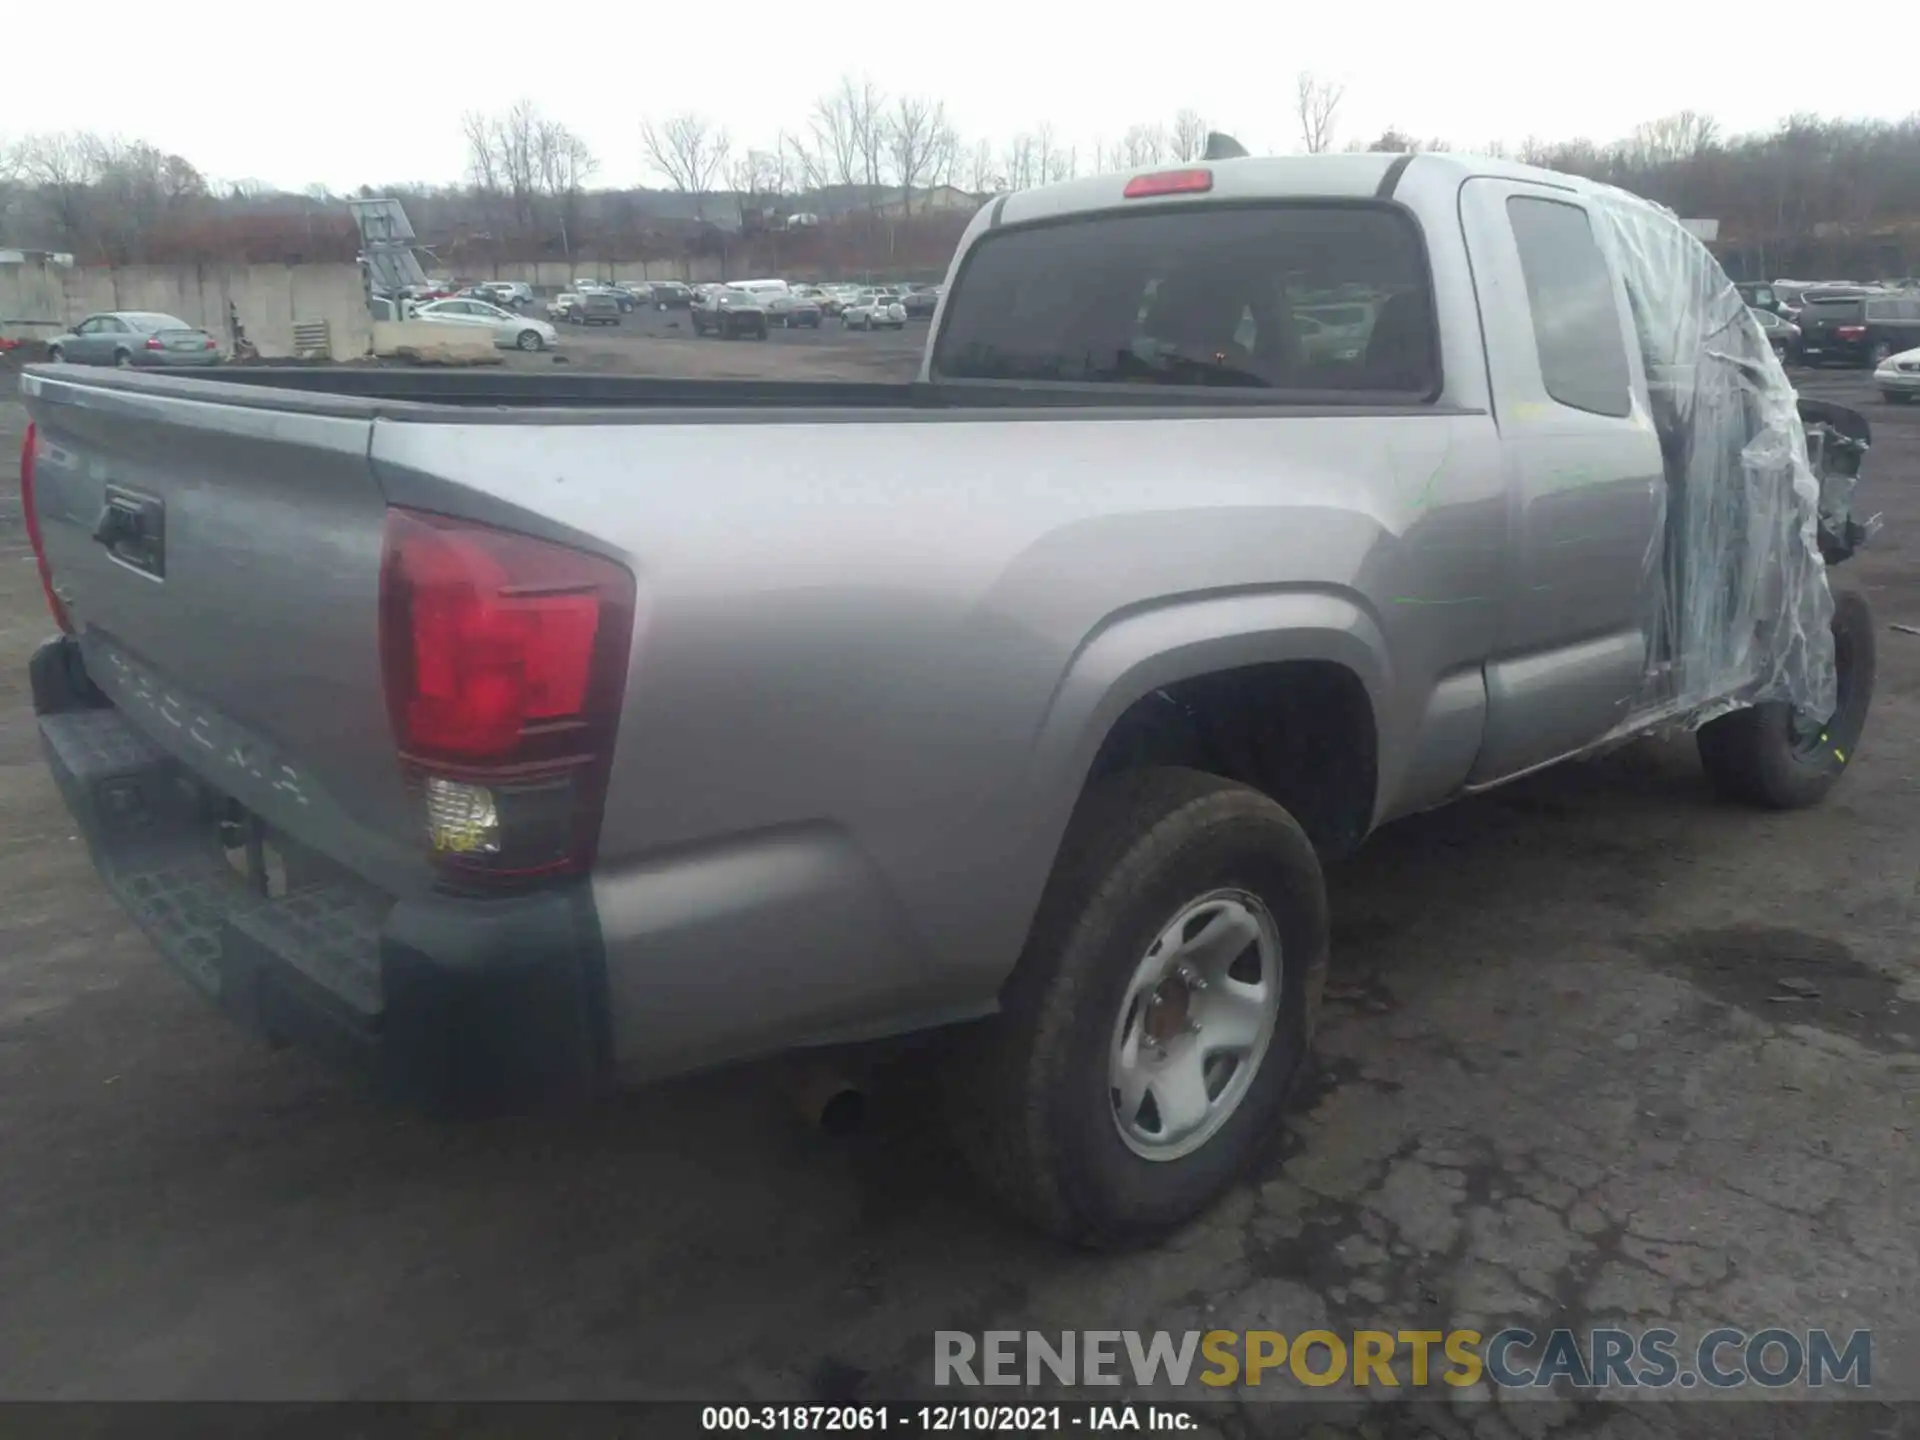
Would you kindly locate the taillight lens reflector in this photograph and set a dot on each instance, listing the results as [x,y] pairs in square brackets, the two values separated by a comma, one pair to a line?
[28,444]
[490,636]
[505,662]
[1169,182]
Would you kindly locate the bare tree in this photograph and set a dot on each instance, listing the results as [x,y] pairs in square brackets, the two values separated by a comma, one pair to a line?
[1046,155]
[1142,145]
[982,171]
[1189,136]
[62,167]
[562,166]
[483,155]
[867,120]
[1018,163]
[919,140]
[689,150]
[1672,139]
[836,141]
[1317,103]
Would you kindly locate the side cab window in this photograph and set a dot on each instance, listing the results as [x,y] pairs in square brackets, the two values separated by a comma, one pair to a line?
[1576,325]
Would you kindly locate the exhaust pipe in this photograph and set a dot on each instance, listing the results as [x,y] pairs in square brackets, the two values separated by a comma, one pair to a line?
[828,1100]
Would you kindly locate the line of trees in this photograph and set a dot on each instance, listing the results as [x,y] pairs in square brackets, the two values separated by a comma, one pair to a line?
[1811,195]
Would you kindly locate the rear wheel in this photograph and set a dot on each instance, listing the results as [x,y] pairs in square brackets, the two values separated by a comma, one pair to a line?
[529,340]
[56,354]
[123,359]
[1782,759]
[1882,353]
[1163,1005]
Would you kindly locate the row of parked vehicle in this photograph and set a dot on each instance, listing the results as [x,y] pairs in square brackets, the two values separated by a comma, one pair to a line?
[774,302]
[1845,322]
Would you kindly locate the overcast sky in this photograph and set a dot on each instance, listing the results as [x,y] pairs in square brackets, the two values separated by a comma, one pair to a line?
[222,81]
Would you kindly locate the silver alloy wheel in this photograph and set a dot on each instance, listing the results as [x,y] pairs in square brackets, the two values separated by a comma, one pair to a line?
[1194,1025]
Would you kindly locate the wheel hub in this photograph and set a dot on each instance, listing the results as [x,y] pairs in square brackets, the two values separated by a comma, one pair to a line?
[1195,1024]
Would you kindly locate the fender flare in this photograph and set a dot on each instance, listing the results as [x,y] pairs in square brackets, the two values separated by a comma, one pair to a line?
[1135,652]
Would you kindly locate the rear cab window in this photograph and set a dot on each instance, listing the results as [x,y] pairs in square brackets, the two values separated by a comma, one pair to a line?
[1849,309]
[1320,300]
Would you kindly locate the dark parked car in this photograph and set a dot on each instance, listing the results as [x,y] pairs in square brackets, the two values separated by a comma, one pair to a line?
[593,307]
[670,294]
[1759,295]
[129,338]
[730,313]
[793,311]
[1856,327]
[920,304]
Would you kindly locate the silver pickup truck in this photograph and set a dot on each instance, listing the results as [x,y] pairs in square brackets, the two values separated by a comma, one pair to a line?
[515,732]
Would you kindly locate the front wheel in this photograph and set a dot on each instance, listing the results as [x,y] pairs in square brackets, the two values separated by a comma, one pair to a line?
[1773,756]
[1165,1000]
[529,340]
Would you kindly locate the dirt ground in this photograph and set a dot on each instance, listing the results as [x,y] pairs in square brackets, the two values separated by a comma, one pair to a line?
[1571,1071]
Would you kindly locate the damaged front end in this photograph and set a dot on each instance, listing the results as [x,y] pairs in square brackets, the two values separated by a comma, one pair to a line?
[1837,443]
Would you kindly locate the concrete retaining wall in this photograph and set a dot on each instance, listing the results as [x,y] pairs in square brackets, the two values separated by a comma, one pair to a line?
[40,300]
[431,344]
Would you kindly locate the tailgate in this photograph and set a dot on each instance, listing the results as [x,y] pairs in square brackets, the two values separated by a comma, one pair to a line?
[220,563]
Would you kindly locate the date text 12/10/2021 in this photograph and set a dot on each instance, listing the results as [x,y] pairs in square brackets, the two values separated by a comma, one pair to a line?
[946,1419]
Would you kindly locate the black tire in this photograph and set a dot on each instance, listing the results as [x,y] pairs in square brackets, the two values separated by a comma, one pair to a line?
[56,355]
[1882,352]
[1760,756]
[123,359]
[528,340]
[1028,1090]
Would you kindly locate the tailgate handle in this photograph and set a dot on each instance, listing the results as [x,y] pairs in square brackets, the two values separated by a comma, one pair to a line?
[133,529]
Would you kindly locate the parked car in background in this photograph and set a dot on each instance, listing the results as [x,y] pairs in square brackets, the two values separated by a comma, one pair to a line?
[1787,295]
[1855,326]
[1758,294]
[511,331]
[794,311]
[835,298]
[134,339]
[920,304]
[1782,334]
[730,314]
[879,311]
[593,307]
[1898,376]
[622,297]
[513,294]
[669,294]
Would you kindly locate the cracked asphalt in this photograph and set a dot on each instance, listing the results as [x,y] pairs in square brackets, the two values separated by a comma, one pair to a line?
[1598,1050]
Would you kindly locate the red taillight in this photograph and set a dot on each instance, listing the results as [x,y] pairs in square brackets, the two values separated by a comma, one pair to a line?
[211,344]
[1850,332]
[154,343]
[27,445]
[1169,182]
[504,658]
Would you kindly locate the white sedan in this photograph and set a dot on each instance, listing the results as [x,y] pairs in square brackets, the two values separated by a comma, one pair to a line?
[510,331]
[1898,376]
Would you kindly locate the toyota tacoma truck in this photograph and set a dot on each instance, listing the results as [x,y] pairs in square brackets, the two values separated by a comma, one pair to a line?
[505,734]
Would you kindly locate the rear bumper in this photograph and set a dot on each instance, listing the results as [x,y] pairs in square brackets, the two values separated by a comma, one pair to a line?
[451,1002]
